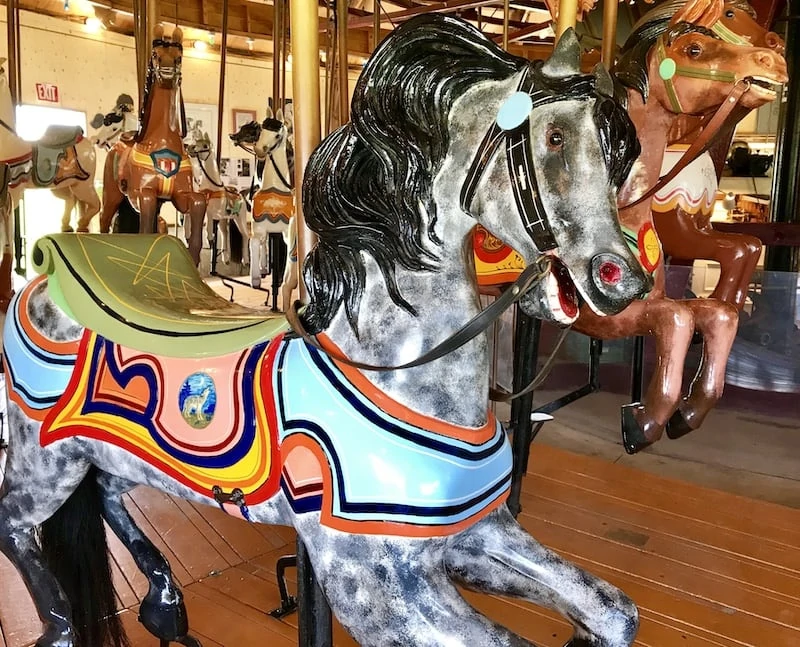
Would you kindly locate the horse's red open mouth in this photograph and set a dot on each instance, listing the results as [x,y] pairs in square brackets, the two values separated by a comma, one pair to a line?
[561,292]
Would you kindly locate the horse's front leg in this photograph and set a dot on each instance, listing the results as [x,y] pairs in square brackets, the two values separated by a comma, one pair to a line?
[193,204]
[162,611]
[148,209]
[497,556]
[718,322]
[688,236]
[671,324]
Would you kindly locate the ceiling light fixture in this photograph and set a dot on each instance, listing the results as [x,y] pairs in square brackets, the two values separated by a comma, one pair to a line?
[200,45]
[93,24]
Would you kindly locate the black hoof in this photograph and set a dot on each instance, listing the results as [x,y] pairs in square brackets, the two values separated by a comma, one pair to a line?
[168,622]
[633,436]
[56,637]
[578,642]
[678,425]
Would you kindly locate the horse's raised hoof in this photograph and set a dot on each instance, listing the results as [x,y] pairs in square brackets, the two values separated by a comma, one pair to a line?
[634,438]
[55,636]
[168,622]
[679,424]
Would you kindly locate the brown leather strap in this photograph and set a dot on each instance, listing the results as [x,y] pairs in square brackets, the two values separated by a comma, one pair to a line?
[478,324]
[701,144]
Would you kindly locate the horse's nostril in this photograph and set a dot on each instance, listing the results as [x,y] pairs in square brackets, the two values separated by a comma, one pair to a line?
[610,273]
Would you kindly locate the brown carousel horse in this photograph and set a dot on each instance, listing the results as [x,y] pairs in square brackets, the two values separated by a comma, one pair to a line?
[668,67]
[682,210]
[153,166]
[700,70]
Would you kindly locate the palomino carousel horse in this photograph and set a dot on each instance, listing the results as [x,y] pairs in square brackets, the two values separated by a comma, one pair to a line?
[62,161]
[111,125]
[273,203]
[682,209]
[152,166]
[224,204]
[395,480]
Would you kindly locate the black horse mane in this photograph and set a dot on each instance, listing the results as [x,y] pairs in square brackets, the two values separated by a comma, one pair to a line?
[368,184]
[631,67]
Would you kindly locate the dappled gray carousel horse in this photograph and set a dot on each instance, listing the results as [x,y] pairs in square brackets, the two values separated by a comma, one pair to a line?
[395,480]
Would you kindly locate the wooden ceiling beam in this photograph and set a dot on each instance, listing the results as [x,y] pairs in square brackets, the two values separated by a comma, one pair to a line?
[449,6]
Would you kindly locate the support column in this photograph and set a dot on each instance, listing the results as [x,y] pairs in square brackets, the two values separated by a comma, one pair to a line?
[13,64]
[567,16]
[305,79]
[341,40]
[610,9]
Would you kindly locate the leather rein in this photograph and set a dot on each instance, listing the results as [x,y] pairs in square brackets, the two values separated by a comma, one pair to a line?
[475,326]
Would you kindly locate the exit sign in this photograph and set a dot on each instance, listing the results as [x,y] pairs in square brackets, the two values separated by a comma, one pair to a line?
[47,92]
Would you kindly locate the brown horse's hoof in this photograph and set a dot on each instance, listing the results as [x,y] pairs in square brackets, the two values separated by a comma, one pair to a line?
[67,230]
[634,438]
[678,425]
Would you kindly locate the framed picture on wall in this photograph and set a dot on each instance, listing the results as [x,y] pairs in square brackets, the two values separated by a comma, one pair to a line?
[202,118]
[242,117]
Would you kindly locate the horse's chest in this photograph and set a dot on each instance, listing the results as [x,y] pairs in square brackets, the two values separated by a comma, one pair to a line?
[693,190]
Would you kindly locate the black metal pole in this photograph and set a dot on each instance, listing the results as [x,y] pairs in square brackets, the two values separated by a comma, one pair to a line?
[637,365]
[315,623]
[526,353]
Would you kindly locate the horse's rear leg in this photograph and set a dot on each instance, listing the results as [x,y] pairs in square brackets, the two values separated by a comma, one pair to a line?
[718,322]
[497,556]
[32,492]
[162,611]
[410,600]
[193,204]
[88,204]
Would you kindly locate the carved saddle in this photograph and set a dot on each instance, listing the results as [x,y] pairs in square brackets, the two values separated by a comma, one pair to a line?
[58,143]
[145,292]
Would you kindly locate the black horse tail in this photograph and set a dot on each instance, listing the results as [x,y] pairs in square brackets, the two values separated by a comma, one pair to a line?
[75,549]
[236,241]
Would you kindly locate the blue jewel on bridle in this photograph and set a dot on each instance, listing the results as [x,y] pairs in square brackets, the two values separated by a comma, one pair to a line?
[512,126]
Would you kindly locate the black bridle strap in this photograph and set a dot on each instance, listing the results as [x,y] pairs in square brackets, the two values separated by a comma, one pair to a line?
[478,324]
[286,183]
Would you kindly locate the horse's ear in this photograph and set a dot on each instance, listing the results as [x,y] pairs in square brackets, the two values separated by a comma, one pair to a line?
[279,115]
[177,36]
[703,13]
[605,84]
[566,57]
[270,115]
[158,32]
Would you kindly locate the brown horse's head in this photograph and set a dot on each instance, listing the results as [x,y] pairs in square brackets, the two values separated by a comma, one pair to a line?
[738,23]
[166,59]
[688,67]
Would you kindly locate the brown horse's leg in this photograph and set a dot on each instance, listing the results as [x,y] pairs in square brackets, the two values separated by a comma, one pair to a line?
[718,322]
[193,204]
[672,325]
[683,237]
[112,196]
[88,204]
[148,205]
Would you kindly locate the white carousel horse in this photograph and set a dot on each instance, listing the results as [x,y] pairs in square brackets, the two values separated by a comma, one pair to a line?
[395,480]
[111,125]
[224,204]
[273,203]
[63,161]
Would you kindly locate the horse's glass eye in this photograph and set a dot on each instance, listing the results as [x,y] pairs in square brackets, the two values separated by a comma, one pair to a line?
[729,13]
[555,139]
[694,50]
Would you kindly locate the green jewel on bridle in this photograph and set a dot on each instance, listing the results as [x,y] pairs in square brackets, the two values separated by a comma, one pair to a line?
[667,69]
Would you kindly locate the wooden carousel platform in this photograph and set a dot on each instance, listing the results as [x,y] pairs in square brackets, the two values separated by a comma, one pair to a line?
[704,566]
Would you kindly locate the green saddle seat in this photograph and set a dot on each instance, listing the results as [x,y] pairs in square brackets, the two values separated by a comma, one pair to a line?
[143,291]
[58,136]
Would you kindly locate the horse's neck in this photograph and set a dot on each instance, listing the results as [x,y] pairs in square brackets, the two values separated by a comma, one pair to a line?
[163,125]
[275,168]
[653,124]
[453,389]
[207,173]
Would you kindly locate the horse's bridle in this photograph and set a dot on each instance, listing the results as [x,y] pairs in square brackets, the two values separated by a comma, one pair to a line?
[512,126]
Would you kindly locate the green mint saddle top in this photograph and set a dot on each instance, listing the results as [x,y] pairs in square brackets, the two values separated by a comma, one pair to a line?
[143,291]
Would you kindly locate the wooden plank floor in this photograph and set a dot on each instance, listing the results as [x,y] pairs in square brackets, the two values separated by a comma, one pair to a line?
[704,567]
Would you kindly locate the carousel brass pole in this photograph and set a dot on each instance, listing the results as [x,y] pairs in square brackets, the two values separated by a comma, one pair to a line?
[12,24]
[567,16]
[222,61]
[610,8]
[277,53]
[344,85]
[505,23]
[376,23]
[305,82]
